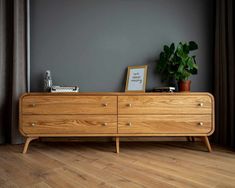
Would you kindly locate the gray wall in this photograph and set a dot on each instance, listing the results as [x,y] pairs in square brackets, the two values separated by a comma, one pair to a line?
[91,42]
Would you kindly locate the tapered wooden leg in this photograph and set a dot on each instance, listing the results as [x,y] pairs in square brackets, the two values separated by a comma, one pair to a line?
[206,141]
[193,139]
[26,145]
[190,138]
[117,144]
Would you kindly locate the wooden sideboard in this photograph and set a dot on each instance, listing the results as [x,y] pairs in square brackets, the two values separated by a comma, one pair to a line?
[116,115]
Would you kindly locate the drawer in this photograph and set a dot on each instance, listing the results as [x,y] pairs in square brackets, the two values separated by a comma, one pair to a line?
[69,105]
[164,124]
[73,124]
[168,104]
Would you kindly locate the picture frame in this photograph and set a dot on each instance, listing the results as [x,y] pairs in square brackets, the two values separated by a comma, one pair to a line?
[136,78]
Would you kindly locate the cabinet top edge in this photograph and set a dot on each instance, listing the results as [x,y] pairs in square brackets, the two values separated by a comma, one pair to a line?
[115,94]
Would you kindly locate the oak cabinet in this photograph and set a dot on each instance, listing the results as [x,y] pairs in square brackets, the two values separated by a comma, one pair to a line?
[116,115]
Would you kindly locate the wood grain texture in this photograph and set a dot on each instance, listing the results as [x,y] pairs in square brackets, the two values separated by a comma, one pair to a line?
[171,124]
[69,105]
[174,104]
[67,124]
[140,164]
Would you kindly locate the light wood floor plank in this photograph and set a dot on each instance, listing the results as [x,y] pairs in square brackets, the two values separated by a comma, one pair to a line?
[86,165]
[139,164]
[163,172]
[177,167]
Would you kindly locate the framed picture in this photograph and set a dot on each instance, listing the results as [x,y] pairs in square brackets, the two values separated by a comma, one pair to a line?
[136,78]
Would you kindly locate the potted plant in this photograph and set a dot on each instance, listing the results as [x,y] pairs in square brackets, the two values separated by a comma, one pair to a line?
[177,64]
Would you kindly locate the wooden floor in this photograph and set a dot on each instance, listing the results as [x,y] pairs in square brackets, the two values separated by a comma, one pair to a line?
[139,164]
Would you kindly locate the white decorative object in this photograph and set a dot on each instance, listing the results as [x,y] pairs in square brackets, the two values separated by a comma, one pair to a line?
[47,81]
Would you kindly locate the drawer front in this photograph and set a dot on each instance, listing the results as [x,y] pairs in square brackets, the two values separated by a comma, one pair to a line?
[165,124]
[69,105]
[73,124]
[170,104]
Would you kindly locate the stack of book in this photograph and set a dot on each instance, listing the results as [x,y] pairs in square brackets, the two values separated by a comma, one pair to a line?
[67,89]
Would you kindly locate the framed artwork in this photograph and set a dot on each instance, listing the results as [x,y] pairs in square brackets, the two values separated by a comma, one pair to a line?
[136,78]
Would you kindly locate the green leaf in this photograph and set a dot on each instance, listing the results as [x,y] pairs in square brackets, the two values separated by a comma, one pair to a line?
[166,49]
[193,71]
[172,48]
[193,46]
[185,49]
[195,66]
[180,69]
[190,63]
[162,57]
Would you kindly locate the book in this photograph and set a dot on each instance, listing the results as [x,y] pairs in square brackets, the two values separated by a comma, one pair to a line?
[164,89]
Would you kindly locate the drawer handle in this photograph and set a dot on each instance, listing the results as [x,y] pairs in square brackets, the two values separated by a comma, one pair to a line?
[33,124]
[129,124]
[129,105]
[200,104]
[200,123]
[105,124]
[105,104]
[33,105]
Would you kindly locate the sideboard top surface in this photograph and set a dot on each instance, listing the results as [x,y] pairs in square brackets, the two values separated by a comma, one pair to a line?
[117,93]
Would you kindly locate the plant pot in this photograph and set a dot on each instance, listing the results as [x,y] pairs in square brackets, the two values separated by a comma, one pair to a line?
[184,85]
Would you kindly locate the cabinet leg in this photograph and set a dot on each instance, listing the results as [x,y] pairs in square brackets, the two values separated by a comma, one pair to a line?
[193,139]
[188,138]
[117,144]
[206,141]
[26,145]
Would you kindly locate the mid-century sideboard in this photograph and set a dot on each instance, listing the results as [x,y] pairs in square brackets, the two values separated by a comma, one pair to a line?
[116,115]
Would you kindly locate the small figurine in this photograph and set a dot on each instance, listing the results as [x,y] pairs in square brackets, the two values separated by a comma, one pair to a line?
[47,81]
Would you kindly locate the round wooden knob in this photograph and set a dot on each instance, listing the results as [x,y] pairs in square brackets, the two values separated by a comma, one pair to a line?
[129,104]
[105,104]
[201,123]
[200,104]
[129,124]
[33,124]
[105,124]
[33,105]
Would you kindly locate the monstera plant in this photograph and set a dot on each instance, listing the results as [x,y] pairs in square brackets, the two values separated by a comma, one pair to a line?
[176,63]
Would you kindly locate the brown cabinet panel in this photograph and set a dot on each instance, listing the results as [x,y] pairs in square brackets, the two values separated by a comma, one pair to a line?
[69,124]
[168,104]
[162,124]
[69,105]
